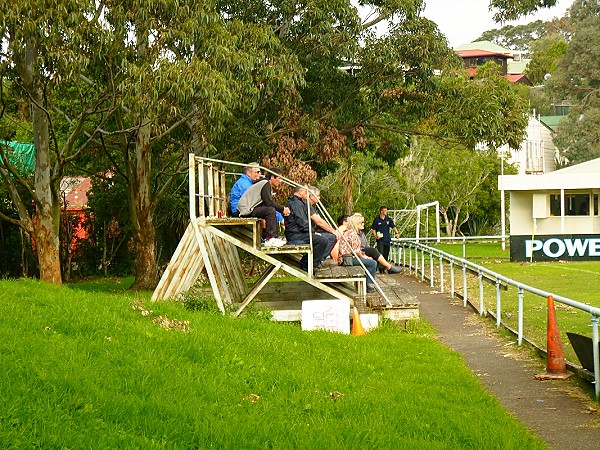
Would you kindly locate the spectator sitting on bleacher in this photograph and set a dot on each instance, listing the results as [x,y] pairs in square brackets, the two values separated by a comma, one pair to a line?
[250,174]
[350,251]
[258,201]
[297,227]
[384,265]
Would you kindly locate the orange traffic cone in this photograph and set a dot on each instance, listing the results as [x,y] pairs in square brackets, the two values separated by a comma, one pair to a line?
[556,369]
[357,328]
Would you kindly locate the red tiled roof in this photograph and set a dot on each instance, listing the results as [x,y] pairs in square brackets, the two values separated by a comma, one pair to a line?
[476,53]
[515,77]
[74,190]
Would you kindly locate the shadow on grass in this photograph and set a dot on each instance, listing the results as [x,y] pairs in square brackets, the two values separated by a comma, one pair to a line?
[108,285]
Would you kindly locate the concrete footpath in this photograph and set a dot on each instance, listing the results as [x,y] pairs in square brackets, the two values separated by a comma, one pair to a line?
[559,412]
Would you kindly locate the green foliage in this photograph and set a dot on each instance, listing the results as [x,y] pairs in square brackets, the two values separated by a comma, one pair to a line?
[515,37]
[457,177]
[513,9]
[87,369]
[488,110]
[576,81]
[133,87]
[361,183]
[545,55]
[199,302]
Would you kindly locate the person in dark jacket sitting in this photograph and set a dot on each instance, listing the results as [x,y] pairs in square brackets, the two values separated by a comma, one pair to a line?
[297,226]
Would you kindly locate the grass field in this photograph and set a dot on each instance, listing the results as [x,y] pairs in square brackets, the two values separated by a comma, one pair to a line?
[91,366]
[574,280]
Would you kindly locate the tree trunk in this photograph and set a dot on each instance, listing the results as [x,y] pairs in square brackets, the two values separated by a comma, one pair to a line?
[46,242]
[142,211]
[46,224]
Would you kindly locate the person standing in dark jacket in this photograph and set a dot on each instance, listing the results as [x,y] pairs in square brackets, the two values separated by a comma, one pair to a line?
[381,226]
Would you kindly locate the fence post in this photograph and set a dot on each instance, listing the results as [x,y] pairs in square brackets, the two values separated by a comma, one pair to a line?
[422,264]
[452,278]
[416,271]
[596,355]
[481,305]
[498,305]
[431,268]
[464,268]
[520,318]
[441,273]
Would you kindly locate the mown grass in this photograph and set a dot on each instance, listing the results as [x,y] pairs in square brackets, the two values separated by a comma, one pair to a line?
[574,280]
[82,368]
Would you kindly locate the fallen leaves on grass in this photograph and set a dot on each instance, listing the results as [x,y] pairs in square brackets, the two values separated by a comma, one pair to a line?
[252,398]
[139,306]
[172,324]
[163,321]
[335,395]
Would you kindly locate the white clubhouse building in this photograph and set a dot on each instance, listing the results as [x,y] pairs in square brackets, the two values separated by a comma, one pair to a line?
[554,216]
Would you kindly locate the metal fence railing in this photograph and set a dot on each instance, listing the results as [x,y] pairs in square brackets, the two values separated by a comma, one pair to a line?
[419,258]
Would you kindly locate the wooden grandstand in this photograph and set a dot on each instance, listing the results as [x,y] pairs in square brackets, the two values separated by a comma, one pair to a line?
[212,242]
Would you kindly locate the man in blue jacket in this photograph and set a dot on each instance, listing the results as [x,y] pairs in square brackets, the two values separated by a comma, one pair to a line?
[250,174]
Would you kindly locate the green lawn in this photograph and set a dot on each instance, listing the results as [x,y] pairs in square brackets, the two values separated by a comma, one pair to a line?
[87,368]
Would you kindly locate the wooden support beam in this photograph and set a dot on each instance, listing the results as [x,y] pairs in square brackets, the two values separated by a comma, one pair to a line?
[260,283]
[296,272]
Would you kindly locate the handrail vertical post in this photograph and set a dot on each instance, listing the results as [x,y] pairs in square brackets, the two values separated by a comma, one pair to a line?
[201,197]
[452,278]
[431,269]
[441,273]
[596,356]
[498,304]
[422,264]
[192,184]
[416,261]
[464,273]
[481,305]
[211,191]
[520,318]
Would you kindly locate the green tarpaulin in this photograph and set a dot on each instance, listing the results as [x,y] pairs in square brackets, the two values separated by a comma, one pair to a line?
[20,155]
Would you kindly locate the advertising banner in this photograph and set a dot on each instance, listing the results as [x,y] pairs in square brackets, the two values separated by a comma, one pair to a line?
[562,247]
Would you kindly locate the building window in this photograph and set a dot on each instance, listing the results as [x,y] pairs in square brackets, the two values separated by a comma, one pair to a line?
[555,205]
[575,204]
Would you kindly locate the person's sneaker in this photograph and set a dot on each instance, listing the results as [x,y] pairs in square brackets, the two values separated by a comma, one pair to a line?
[274,242]
[394,269]
[370,289]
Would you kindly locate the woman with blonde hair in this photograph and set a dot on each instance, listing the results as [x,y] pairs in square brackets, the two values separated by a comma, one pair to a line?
[372,252]
[351,242]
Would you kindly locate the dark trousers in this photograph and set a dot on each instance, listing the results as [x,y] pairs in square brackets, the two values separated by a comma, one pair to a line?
[384,248]
[322,245]
[267,213]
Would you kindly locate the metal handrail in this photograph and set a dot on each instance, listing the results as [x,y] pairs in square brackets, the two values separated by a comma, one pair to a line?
[433,253]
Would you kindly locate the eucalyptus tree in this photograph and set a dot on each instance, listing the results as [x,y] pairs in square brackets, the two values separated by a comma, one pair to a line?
[576,81]
[47,48]
[179,71]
